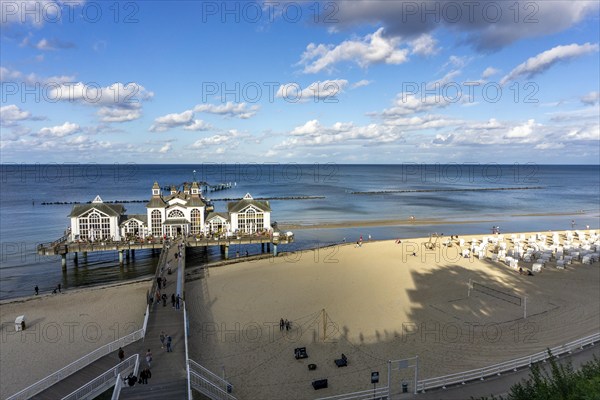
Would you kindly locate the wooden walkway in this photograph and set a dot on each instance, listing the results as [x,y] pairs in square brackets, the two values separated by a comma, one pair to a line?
[169,378]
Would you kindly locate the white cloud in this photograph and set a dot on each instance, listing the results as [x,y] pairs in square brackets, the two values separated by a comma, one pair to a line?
[489,71]
[590,99]
[169,121]
[59,131]
[11,114]
[8,75]
[361,83]
[374,48]
[119,102]
[541,62]
[424,45]
[312,133]
[108,114]
[117,93]
[197,125]
[239,110]
[409,103]
[316,91]
[521,131]
[184,119]
[228,138]
[166,148]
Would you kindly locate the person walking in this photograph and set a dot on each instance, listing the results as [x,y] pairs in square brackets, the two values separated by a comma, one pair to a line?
[149,358]
[169,341]
[37,290]
[121,354]
[281,324]
[177,300]
[173,300]
[162,339]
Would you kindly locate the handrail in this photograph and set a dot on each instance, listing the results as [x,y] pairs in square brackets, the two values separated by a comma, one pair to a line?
[208,388]
[187,356]
[209,379]
[104,381]
[497,369]
[378,393]
[76,365]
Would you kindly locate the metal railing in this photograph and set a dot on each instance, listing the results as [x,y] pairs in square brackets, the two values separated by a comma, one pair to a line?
[76,365]
[497,369]
[207,383]
[378,393]
[187,356]
[105,381]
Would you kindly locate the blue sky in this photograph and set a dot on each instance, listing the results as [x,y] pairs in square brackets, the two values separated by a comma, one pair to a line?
[317,81]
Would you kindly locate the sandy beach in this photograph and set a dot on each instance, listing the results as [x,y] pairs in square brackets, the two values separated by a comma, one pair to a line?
[375,303]
[64,327]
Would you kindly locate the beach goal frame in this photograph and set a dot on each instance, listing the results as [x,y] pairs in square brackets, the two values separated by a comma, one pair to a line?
[498,294]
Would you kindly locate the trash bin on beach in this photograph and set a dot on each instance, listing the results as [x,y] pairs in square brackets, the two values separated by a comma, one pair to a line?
[404,387]
[20,323]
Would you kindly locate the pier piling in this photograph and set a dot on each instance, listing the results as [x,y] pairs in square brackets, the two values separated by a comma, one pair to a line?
[75,260]
[121,256]
[274,250]
[63,261]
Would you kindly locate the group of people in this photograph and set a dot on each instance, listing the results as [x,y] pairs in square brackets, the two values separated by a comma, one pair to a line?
[285,324]
[57,289]
[145,374]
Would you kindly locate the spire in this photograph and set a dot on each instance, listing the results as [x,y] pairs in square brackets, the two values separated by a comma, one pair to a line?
[155,189]
[195,188]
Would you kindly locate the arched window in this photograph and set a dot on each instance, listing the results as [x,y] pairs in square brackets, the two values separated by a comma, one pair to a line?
[156,221]
[94,226]
[175,214]
[196,221]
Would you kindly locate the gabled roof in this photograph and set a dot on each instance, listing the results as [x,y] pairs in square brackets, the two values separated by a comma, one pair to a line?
[140,217]
[248,201]
[195,201]
[212,215]
[156,202]
[113,210]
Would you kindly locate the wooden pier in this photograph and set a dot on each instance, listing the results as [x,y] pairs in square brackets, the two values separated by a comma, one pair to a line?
[63,247]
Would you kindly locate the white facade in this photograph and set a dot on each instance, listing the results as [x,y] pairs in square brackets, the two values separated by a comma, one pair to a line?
[96,221]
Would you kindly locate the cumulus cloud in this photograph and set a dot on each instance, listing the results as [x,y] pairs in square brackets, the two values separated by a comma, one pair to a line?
[541,62]
[424,45]
[486,24]
[59,131]
[11,114]
[118,102]
[522,131]
[590,99]
[108,114]
[228,138]
[185,120]
[238,110]
[374,48]
[409,103]
[489,71]
[166,148]
[312,133]
[316,91]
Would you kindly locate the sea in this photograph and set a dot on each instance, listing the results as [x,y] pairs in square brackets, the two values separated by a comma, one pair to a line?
[469,198]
